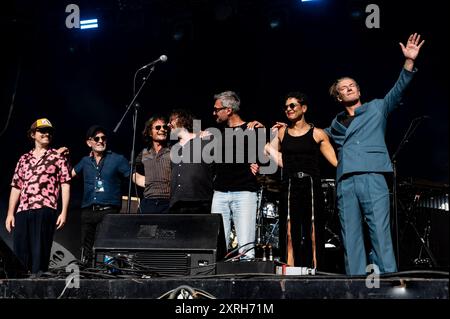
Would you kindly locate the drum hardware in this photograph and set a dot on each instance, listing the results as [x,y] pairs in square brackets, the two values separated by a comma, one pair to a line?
[270,210]
[267,218]
[267,214]
[423,212]
[332,225]
[409,211]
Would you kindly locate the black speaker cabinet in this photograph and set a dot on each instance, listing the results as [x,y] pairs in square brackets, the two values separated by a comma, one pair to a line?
[10,265]
[162,244]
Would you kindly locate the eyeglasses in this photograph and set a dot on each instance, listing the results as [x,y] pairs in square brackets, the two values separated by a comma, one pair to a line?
[158,127]
[290,105]
[45,130]
[218,109]
[99,138]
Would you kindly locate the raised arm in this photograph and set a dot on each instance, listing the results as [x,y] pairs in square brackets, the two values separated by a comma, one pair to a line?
[411,50]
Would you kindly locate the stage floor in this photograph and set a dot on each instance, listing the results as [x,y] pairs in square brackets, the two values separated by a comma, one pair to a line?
[232,286]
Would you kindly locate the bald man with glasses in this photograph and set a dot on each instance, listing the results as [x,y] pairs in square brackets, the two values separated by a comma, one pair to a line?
[103,172]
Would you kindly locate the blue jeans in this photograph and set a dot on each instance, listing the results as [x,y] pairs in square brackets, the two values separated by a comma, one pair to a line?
[241,208]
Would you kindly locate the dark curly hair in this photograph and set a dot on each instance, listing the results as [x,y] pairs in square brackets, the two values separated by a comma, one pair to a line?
[146,132]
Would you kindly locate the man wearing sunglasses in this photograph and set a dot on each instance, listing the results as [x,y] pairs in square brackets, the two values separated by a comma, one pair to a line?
[40,176]
[362,192]
[103,172]
[235,185]
[153,167]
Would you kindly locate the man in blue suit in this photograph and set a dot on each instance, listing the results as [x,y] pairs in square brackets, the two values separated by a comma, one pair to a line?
[359,135]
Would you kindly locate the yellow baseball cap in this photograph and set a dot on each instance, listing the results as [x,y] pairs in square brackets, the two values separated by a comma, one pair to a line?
[41,123]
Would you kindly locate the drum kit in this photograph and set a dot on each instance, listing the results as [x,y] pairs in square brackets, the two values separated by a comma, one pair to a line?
[267,220]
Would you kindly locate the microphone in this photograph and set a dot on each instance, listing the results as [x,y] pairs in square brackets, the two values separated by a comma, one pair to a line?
[162,58]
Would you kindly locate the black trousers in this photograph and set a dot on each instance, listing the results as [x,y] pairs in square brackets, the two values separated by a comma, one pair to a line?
[90,219]
[154,206]
[191,207]
[33,237]
[300,210]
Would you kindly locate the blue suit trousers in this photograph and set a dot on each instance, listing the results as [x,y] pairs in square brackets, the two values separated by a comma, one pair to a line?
[359,196]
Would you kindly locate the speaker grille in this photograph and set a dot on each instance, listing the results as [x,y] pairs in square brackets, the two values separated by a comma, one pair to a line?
[165,263]
[156,262]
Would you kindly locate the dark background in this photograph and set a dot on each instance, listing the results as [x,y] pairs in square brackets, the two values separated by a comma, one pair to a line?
[261,49]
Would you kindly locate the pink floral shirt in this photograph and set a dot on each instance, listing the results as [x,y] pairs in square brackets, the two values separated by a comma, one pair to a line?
[39,179]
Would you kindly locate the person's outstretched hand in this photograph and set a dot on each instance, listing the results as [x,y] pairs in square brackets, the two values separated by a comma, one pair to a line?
[412,48]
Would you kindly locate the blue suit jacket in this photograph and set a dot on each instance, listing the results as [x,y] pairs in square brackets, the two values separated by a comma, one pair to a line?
[361,147]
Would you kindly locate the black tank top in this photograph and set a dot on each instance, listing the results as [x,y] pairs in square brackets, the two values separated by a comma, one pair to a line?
[300,154]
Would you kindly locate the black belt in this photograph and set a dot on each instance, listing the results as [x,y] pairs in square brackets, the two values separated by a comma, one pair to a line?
[97,207]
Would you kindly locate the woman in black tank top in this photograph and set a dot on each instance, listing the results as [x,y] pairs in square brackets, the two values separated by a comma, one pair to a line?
[296,149]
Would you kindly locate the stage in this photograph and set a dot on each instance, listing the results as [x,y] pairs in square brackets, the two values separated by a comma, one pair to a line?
[251,286]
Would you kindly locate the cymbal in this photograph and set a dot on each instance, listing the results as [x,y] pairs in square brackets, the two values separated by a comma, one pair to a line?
[266,179]
[269,182]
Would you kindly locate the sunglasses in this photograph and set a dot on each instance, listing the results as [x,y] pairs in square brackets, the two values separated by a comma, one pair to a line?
[217,110]
[99,138]
[158,127]
[290,105]
[45,131]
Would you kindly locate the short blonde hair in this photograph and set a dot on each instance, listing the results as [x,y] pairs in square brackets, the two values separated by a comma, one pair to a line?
[333,91]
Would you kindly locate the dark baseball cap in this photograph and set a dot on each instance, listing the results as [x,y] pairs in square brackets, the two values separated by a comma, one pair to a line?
[93,130]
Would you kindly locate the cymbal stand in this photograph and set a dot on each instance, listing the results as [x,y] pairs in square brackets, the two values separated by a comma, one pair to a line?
[424,240]
[259,214]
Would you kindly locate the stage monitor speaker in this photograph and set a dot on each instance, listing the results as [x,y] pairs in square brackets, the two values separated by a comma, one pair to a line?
[10,265]
[163,244]
[248,267]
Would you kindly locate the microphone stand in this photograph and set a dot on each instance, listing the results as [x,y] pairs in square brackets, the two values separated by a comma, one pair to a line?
[412,127]
[135,115]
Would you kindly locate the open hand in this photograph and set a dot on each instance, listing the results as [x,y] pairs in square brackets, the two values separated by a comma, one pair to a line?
[412,48]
